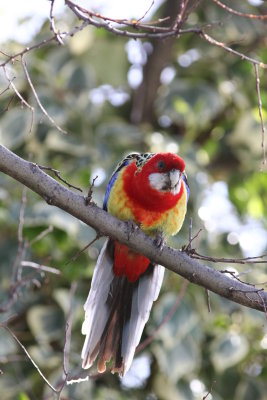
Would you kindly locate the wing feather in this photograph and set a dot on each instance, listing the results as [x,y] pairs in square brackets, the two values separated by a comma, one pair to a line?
[145,293]
[96,308]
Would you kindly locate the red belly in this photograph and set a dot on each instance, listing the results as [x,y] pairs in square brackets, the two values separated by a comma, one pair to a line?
[128,263]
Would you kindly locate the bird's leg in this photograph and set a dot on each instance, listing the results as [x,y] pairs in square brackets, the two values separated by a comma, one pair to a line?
[160,240]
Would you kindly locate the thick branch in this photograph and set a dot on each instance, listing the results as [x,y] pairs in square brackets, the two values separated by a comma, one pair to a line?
[56,194]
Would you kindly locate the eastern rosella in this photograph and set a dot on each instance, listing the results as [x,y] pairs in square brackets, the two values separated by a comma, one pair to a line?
[152,191]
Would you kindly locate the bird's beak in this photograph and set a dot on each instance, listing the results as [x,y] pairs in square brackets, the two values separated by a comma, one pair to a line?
[175,180]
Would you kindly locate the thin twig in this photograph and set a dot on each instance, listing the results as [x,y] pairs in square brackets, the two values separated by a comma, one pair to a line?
[236,276]
[88,199]
[5,54]
[190,233]
[21,246]
[52,24]
[238,13]
[15,290]
[13,57]
[21,242]
[247,260]
[66,350]
[188,249]
[44,42]
[208,299]
[260,113]
[38,99]
[21,215]
[10,80]
[147,11]
[57,173]
[209,392]
[231,289]
[29,356]
[180,17]
[7,88]
[8,104]
[40,267]
[42,235]
[222,45]
[74,258]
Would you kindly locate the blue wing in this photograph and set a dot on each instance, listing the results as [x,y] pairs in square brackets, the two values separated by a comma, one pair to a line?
[112,181]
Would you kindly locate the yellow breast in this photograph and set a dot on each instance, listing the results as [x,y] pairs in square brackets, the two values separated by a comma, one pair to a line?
[151,222]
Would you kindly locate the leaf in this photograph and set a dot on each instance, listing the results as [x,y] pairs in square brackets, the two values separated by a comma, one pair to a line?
[190,104]
[45,356]
[46,323]
[171,390]
[179,351]
[245,140]
[78,81]
[106,66]
[7,344]
[179,360]
[23,396]
[119,135]
[15,127]
[66,145]
[180,325]
[228,351]
[248,390]
[46,215]
[62,296]
[10,387]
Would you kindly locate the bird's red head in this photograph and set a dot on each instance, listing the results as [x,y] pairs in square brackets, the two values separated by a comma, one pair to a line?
[163,162]
[156,183]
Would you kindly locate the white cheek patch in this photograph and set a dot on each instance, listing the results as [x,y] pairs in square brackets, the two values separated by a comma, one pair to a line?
[157,180]
[166,181]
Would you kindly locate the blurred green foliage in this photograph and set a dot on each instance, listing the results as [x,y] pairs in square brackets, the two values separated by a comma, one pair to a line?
[208,111]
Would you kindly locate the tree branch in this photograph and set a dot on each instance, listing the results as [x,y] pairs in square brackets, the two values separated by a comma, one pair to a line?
[148,30]
[179,262]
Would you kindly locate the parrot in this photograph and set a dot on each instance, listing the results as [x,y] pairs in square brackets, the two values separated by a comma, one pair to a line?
[150,190]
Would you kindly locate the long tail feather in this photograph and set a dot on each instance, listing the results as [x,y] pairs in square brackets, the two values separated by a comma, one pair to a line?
[116,312]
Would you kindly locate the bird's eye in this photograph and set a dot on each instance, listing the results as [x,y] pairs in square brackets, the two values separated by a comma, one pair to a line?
[161,165]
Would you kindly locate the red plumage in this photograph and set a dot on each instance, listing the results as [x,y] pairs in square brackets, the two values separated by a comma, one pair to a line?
[129,263]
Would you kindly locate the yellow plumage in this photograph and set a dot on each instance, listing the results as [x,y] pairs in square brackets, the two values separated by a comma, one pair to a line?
[151,222]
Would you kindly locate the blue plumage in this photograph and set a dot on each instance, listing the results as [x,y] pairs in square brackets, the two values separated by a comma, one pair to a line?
[111,183]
